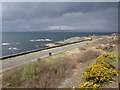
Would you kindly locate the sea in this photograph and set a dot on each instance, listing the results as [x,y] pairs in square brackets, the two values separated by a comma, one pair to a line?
[17,42]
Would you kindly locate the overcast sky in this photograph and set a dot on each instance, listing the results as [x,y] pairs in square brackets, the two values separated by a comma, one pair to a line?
[38,16]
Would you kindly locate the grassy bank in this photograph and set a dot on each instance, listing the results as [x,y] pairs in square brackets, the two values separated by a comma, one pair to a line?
[103,73]
[47,72]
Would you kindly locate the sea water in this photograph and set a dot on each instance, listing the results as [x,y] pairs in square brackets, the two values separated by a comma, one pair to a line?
[17,42]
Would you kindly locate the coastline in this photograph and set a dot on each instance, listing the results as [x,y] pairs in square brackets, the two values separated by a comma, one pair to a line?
[63,69]
[60,43]
[22,59]
[36,40]
[31,51]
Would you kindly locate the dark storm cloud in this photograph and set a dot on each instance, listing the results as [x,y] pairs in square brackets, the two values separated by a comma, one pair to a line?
[60,16]
[30,10]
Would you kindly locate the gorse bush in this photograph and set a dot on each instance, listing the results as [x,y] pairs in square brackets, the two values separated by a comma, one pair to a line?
[100,72]
[88,84]
[106,58]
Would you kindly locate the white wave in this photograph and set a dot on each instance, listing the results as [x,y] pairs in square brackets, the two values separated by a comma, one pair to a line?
[38,40]
[13,48]
[5,44]
[48,40]
[32,40]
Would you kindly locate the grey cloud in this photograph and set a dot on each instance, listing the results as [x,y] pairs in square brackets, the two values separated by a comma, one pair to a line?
[48,16]
[31,10]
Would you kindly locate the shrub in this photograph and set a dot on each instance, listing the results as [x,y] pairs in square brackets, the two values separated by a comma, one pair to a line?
[106,58]
[100,72]
[14,81]
[39,59]
[30,70]
[96,85]
[87,55]
[12,78]
[89,85]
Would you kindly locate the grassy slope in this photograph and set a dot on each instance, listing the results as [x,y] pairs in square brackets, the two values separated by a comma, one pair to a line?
[51,72]
[48,70]
[112,50]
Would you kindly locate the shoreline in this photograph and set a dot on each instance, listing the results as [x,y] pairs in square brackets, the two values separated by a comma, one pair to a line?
[60,43]
[14,48]
[64,68]
[31,51]
[22,59]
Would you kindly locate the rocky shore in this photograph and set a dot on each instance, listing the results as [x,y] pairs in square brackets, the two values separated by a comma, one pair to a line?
[72,40]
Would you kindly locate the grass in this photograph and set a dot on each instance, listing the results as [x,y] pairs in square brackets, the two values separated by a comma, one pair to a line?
[40,68]
[48,72]
[30,71]
[87,55]
[14,81]
[12,77]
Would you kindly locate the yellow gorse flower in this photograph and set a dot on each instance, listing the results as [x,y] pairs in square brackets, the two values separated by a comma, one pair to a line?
[99,72]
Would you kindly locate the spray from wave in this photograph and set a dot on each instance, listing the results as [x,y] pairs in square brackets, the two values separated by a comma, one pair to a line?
[38,40]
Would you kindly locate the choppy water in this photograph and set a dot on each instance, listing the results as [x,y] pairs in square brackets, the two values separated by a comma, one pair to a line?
[16,42]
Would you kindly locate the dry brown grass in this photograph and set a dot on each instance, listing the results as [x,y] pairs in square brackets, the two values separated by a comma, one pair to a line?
[82,48]
[53,70]
[51,74]
[87,55]
[11,78]
[55,73]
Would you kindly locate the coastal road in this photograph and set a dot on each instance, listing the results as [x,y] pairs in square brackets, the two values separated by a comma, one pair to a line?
[15,61]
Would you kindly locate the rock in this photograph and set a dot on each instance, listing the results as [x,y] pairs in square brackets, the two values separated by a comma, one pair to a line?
[50,45]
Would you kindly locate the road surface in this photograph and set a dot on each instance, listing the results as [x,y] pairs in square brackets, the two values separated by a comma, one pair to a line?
[15,61]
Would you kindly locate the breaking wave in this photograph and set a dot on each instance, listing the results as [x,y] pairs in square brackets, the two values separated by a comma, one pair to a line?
[38,40]
[13,48]
[5,44]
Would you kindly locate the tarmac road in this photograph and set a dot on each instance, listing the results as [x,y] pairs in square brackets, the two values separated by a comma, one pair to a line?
[15,61]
